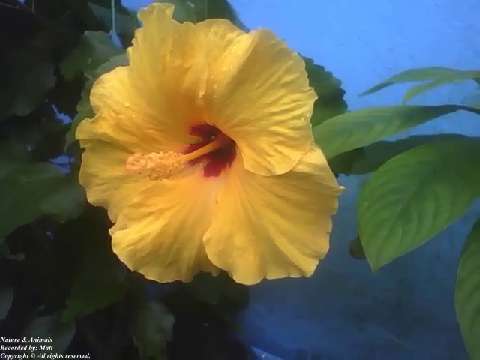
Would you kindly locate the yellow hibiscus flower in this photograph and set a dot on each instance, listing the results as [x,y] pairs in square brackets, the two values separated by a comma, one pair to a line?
[202,152]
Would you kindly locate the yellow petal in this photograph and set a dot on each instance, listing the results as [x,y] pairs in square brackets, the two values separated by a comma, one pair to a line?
[104,178]
[249,85]
[168,65]
[275,226]
[160,233]
[264,102]
[123,117]
[254,89]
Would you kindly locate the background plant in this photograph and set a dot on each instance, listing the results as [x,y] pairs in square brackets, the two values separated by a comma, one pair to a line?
[419,185]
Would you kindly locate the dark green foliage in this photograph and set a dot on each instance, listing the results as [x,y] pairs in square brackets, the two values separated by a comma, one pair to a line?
[25,83]
[430,78]
[355,129]
[84,110]
[51,326]
[417,194]
[94,49]
[58,275]
[419,185]
[467,292]
[6,299]
[356,249]
[199,10]
[152,329]
[126,21]
[369,158]
[26,68]
[99,278]
[29,190]
[204,319]
[330,101]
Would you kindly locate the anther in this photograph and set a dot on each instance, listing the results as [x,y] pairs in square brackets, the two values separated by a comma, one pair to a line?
[164,164]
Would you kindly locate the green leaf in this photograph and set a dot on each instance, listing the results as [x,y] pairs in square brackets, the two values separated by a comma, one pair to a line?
[6,300]
[356,249]
[30,190]
[108,3]
[199,10]
[40,132]
[126,21]
[353,130]
[84,110]
[26,80]
[416,195]
[12,155]
[467,293]
[370,158]
[100,282]
[99,279]
[110,64]
[346,162]
[330,94]
[66,202]
[220,289]
[420,89]
[94,49]
[473,100]
[51,327]
[434,74]
[152,329]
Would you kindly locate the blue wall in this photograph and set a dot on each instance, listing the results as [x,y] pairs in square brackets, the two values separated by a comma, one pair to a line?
[345,311]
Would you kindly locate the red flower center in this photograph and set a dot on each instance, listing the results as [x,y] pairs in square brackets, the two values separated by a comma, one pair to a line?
[215,161]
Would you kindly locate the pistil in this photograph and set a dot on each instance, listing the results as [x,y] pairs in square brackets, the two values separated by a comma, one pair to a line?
[164,164]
